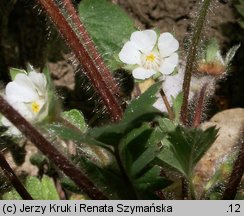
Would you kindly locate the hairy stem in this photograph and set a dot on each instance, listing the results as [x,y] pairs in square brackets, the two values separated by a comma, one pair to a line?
[88,42]
[93,73]
[14,179]
[50,151]
[236,175]
[166,102]
[191,58]
[199,107]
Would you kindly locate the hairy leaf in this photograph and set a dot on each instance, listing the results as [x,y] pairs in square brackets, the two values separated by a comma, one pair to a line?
[186,146]
[96,15]
[76,118]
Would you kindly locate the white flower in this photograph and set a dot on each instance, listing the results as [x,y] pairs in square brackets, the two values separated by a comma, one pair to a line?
[172,86]
[150,54]
[27,93]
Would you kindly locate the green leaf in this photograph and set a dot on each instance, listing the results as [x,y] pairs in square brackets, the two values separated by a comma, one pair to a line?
[49,191]
[107,179]
[76,118]
[11,195]
[211,50]
[144,159]
[150,182]
[96,14]
[241,23]
[14,71]
[138,111]
[143,104]
[68,184]
[140,147]
[177,103]
[186,146]
[58,129]
[231,53]
[42,190]
[133,145]
[166,125]
[240,7]
[38,159]
[39,190]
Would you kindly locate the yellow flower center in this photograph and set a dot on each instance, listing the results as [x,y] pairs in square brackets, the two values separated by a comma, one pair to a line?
[35,107]
[151,61]
[151,57]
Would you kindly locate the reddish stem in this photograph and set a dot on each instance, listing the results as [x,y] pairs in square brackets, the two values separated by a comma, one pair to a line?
[199,107]
[191,58]
[72,13]
[166,102]
[14,179]
[49,150]
[108,97]
[236,175]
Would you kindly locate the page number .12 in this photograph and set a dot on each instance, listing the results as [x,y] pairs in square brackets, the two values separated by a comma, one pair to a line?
[234,208]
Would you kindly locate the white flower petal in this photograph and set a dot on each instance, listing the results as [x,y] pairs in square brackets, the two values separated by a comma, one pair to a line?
[167,44]
[172,85]
[130,54]
[39,81]
[25,81]
[142,73]
[14,131]
[6,122]
[144,40]
[160,105]
[168,64]
[19,93]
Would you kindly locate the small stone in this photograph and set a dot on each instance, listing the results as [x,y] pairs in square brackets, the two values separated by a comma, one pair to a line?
[231,125]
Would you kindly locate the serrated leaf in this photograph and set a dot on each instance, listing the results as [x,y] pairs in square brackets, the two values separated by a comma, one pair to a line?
[231,53]
[109,26]
[76,118]
[186,147]
[14,71]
